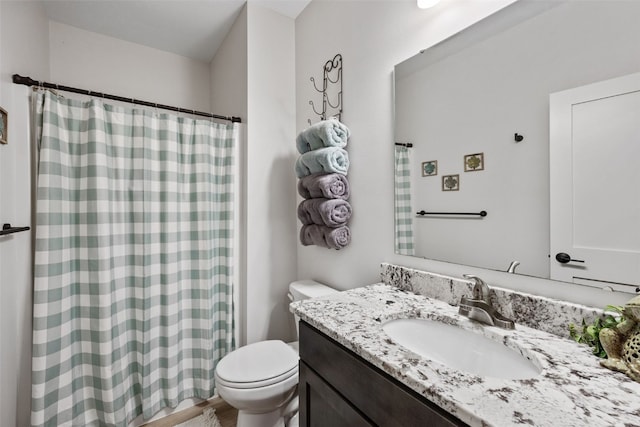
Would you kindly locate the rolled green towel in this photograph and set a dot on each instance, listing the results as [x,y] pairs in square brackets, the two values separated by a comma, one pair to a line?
[327,133]
[329,159]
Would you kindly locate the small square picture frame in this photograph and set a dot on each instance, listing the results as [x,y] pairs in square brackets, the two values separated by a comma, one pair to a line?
[4,124]
[430,168]
[450,182]
[474,162]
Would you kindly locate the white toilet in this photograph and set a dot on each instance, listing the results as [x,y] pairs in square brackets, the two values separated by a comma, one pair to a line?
[260,379]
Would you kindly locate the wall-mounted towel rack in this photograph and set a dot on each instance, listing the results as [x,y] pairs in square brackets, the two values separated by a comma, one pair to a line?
[332,67]
[405,144]
[8,229]
[481,213]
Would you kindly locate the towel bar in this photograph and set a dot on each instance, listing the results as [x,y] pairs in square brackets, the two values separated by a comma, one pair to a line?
[8,229]
[481,213]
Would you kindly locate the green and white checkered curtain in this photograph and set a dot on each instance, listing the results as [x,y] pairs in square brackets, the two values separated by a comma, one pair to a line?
[404,212]
[133,263]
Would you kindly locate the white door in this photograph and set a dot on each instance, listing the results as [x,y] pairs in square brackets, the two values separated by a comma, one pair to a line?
[595,184]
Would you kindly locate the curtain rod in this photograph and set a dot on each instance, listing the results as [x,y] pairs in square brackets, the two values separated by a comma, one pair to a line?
[28,81]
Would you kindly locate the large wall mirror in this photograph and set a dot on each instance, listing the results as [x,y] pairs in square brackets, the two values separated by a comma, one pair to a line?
[475,110]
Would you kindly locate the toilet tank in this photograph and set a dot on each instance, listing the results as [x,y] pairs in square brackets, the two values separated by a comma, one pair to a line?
[305,289]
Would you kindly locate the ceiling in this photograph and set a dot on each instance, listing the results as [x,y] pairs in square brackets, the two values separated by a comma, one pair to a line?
[191,28]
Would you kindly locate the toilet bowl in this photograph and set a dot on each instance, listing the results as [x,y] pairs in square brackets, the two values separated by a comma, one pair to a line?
[260,379]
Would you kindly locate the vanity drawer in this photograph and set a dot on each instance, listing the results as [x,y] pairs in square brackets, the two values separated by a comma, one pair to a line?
[324,406]
[374,395]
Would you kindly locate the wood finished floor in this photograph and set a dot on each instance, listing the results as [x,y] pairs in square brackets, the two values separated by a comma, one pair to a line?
[227,415]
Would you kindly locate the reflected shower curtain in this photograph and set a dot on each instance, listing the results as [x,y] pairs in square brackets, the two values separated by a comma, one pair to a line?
[133,262]
[404,212]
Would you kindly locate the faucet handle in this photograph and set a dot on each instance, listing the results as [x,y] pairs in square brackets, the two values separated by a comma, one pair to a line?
[475,279]
[480,288]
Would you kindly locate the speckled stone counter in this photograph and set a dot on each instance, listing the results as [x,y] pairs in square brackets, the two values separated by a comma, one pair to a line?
[572,389]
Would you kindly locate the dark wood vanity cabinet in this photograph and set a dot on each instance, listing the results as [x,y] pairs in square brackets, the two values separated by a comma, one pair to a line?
[339,389]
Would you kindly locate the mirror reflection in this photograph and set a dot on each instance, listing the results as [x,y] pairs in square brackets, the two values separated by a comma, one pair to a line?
[472,130]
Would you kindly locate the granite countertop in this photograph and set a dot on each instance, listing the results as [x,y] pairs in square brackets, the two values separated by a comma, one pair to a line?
[572,389]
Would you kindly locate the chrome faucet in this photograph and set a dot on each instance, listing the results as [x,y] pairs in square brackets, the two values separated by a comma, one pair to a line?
[512,266]
[479,307]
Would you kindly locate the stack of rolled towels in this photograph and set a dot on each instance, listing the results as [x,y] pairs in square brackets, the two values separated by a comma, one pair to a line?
[322,181]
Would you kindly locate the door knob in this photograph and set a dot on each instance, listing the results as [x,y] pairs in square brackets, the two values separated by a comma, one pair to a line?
[564,258]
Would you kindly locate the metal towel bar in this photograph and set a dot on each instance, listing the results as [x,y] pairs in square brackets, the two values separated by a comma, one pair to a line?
[481,213]
[8,229]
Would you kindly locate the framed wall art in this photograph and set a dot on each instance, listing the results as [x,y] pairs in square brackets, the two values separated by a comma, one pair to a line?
[430,168]
[474,162]
[450,182]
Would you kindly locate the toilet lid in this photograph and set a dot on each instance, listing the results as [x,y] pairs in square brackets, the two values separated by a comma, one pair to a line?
[258,362]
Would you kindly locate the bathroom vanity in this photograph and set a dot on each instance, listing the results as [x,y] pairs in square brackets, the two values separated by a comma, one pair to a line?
[352,373]
[338,388]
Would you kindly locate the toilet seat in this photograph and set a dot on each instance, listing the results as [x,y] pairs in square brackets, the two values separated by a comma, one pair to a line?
[257,365]
[257,384]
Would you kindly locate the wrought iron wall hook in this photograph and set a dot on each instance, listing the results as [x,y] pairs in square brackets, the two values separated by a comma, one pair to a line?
[338,77]
[334,63]
[324,85]
[321,114]
[339,101]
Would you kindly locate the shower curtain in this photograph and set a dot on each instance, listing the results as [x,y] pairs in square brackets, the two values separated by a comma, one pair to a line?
[404,212]
[133,263]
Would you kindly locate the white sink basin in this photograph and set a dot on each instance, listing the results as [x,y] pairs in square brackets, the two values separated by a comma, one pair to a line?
[460,349]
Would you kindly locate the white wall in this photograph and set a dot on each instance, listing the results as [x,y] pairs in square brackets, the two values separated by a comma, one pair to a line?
[252,77]
[270,180]
[92,61]
[229,72]
[229,97]
[372,37]
[23,50]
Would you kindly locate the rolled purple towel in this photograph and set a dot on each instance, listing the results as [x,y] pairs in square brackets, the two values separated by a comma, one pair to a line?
[326,133]
[330,212]
[327,185]
[319,235]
